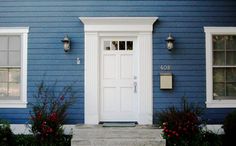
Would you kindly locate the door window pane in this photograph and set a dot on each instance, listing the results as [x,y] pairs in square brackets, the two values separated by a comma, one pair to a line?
[129,45]
[121,45]
[219,58]
[107,45]
[114,45]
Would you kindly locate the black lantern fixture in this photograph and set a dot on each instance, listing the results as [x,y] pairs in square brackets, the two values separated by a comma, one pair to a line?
[170,42]
[66,43]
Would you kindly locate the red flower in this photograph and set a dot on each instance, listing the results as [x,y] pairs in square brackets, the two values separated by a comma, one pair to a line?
[53,117]
[39,115]
[48,130]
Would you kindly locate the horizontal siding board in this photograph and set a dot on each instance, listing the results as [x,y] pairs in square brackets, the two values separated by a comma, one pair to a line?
[209,3]
[130,13]
[50,20]
[164,8]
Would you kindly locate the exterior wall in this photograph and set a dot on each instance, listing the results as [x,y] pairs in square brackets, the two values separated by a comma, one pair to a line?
[50,20]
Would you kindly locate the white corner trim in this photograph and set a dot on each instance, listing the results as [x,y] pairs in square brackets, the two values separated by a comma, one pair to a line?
[210,102]
[23,32]
[118,24]
[97,27]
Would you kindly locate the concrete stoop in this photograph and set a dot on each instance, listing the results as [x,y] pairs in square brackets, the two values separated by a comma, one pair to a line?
[91,135]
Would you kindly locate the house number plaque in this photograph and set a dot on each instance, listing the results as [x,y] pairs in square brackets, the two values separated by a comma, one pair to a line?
[165,67]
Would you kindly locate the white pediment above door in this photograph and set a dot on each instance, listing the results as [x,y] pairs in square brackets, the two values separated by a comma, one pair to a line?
[117,24]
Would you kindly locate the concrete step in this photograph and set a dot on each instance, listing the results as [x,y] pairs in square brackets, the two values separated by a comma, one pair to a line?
[96,135]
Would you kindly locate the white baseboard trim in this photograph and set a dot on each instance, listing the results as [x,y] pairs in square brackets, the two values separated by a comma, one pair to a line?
[24,129]
[216,128]
[68,129]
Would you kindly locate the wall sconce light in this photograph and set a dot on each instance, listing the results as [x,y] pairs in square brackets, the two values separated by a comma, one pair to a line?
[66,43]
[170,42]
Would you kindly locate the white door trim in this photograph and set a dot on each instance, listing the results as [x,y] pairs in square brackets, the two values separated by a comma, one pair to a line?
[139,27]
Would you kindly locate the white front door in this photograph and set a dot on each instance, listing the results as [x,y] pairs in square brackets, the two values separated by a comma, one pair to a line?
[118,100]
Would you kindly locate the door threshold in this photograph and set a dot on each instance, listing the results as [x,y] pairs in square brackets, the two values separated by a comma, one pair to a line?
[119,124]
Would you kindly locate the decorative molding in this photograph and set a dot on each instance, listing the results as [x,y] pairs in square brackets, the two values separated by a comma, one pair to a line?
[13,104]
[221,104]
[118,24]
[210,103]
[138,27]
[23,31]
[220,30]
[13,30]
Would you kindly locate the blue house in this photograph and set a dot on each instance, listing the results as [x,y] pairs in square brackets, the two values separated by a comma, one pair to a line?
[119,57]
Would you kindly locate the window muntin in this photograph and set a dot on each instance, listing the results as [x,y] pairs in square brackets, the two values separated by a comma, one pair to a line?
[224,66]
[10,67]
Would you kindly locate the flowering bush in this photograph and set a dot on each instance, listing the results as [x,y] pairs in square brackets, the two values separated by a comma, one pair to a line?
[49,112]
[180,126]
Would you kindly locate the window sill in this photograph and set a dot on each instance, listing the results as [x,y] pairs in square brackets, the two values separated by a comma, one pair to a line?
[221,104]
[13,104]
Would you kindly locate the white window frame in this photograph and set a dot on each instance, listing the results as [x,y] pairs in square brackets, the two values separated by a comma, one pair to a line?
[23,32]
[210,102]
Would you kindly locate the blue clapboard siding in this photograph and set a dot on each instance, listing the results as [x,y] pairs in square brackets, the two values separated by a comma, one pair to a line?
[50,20]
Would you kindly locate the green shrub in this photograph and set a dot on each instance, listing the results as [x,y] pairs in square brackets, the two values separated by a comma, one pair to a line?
[6,135]
[24,140]
[206,138]
[30,140]
[229,127]
[49,113]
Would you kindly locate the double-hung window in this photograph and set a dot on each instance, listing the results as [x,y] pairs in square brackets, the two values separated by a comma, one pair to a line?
[220,66]
[13,67]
